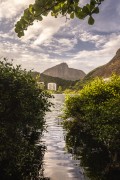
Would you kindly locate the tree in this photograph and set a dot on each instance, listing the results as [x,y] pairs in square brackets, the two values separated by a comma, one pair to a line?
[67,8]
[22,108]
[59,89]
[93,127]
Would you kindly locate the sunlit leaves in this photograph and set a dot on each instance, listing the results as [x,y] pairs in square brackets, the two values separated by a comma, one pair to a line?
[72,15]
[93,126]
[67,8]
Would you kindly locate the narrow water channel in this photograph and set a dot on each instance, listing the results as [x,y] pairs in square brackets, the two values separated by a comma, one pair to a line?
[58,163]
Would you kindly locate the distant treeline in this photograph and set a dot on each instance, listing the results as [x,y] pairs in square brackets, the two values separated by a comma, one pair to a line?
[65,84]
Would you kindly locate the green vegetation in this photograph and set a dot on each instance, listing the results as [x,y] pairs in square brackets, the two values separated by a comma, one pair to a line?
[77,87]
[64,84]
[60,82]
[22,109]
[68,8]
[59,89]
[92,122]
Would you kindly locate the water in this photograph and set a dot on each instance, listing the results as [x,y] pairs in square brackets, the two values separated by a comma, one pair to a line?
[58,163]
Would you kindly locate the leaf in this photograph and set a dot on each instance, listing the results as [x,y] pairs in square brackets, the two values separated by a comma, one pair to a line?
[86,10]
[20,34]
[92,2]
[57,8]
[80,15]
[45,13]
[91,20]
[16,30]
[31,10]
[39,18]
[96,10]
[52,14]
[72,15]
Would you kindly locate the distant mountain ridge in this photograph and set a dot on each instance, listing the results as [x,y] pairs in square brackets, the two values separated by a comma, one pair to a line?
[106,70]
[64,72]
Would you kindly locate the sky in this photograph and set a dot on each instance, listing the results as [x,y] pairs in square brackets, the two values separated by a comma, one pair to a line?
[54,40]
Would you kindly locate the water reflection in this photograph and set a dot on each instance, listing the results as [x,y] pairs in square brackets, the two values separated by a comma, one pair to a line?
[58,164]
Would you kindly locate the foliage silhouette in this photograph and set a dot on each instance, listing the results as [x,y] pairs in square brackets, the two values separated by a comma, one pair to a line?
[22,109]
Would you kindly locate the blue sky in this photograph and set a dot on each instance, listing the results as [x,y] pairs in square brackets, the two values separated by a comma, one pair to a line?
[54,41]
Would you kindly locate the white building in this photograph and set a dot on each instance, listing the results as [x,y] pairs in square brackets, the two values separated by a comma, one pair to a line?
[52,86]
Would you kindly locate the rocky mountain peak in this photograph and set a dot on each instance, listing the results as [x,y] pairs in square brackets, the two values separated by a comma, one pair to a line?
[63,71]
[63,64]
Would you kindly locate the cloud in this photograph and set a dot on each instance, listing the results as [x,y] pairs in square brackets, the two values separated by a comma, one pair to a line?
[44,30]
[98,40]
[92,59]
[61,46]
[53,41]
[10,8]
[118,9]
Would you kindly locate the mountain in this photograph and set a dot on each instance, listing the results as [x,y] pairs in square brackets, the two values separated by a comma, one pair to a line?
[63,71]
[106,70]
[65,84]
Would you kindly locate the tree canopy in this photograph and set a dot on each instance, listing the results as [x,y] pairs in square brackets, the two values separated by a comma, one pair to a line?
[68,8]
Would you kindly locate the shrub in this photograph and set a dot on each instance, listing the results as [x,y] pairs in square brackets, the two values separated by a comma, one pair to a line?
[22,109]
[94,130]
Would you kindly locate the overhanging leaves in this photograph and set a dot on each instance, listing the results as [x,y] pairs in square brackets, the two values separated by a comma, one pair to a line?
[67,8]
